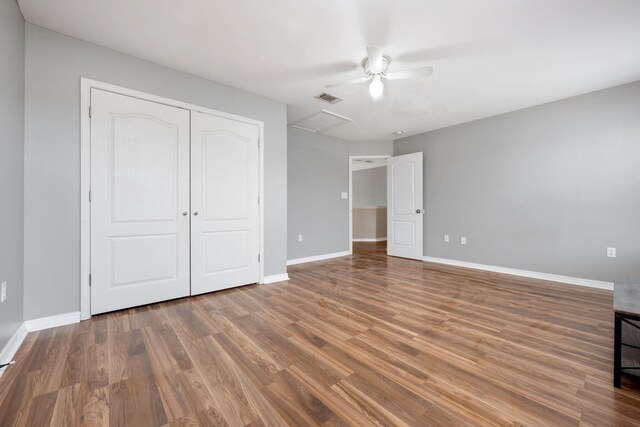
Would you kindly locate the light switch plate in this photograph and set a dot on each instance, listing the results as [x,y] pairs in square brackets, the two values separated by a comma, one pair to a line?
[3,292]
[345,195]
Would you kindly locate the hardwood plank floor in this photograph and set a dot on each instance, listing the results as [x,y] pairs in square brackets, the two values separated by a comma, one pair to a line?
[359,340]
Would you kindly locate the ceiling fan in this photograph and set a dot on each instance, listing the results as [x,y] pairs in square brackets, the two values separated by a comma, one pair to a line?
[375,66]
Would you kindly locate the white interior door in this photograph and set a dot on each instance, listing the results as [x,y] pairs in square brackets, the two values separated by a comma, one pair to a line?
[404,203]
[224,203]
[140,202]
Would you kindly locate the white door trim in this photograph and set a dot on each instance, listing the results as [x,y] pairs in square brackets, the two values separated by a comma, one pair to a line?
[351,159]
[85,174]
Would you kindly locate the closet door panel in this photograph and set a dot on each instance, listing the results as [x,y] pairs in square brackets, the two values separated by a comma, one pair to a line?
[224,203]
[140,189]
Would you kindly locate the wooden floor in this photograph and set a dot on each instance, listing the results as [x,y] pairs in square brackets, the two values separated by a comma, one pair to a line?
[360,340]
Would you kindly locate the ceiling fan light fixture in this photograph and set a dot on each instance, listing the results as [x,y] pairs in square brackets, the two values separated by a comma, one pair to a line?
[376,87]
[375,66]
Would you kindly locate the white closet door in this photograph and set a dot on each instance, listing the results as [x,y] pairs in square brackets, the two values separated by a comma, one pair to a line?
[404,206]
[140,202]
[224,203]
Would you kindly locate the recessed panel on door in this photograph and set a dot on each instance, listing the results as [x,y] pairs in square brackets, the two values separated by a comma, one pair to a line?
[224,203]
[140,202]
[405,210]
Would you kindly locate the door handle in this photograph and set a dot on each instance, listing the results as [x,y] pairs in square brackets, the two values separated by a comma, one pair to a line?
[185,213]
[196,213]
[419,211]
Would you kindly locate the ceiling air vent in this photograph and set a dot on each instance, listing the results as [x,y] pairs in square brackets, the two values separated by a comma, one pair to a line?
[320,121]
[327,97]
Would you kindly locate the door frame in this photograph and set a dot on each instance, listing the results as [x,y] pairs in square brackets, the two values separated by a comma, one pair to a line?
[85,174]
[351,159]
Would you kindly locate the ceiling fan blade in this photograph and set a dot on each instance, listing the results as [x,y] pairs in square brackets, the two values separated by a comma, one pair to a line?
[409,74]
[375,59]
[348,82]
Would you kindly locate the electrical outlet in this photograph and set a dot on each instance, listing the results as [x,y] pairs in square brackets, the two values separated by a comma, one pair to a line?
[446,238]
[299,237]
[3,292]
[463,240]
[611,252]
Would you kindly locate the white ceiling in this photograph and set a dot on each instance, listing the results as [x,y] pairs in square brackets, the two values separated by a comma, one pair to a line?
[367,162]
[489,56]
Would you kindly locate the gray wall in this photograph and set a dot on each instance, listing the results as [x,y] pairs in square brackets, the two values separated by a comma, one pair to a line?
[318,172]
[546,189]
[369,223]
[11,165]
[369,187]
[54,65]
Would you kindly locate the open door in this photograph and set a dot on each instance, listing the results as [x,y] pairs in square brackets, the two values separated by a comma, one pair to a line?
[404,204]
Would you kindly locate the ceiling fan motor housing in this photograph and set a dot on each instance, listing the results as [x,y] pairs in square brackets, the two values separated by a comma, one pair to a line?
[385,65]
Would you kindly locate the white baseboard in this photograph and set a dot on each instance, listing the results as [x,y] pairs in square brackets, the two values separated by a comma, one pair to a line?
[317,258]
[275,278]
[19,335]
[52,321]
[11,348]
[525,273]
[375,239]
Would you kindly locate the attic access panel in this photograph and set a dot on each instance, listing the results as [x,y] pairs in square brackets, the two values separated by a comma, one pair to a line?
[320,122]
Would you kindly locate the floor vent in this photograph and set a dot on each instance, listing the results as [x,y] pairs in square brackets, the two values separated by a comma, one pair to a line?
[327,97]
